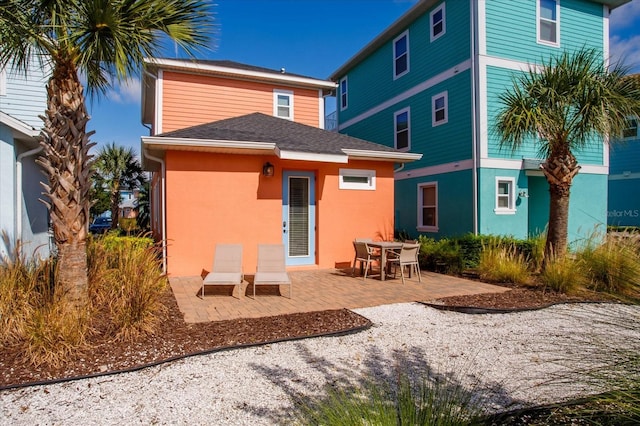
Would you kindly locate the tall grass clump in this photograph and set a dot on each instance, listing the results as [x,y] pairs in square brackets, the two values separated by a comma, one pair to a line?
[127,281]
[432,401]
[33,317]
[612,266]
[502,263]
[565,275]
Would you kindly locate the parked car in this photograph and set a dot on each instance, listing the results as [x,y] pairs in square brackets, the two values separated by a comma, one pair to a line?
[100,225]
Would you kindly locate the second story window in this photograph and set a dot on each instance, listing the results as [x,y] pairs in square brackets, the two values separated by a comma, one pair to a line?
[439,114]
[631,129]
[402,132]
[401,55]
[438,23]
[283,104]
[343,94]
[548,22]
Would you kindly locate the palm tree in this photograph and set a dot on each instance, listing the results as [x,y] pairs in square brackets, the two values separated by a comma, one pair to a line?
[574,100]
[117,168]
[104,41]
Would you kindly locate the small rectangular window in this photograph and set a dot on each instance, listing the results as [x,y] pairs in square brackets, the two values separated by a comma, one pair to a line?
[401,55]
[548,21]
[439,109]
[283,104]
[631,131]
[402,129]
[438,22]
[357,179]
[428,207]
[505,195]
[343,93]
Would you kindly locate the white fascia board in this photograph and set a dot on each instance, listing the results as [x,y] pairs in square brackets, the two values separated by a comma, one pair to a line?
[159,142]
[456,166]
[495,163]
[18,126]
[311,156]
[398,157]
[215,69]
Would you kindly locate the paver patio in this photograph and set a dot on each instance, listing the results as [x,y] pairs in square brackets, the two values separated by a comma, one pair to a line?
[314,290]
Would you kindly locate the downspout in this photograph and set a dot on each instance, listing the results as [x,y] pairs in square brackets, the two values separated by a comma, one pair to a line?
[19,189]
[474,125]
[163,209]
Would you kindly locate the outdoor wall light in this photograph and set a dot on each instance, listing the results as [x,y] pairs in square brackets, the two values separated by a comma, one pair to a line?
[268,169]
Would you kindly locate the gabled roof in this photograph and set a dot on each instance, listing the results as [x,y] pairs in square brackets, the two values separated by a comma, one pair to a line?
[259,133]
[403,22]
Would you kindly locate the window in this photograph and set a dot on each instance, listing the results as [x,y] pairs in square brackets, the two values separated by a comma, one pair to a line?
[438,24]
[548,21]
[631,129]
[343,93]
[402,134]
[283,104]
[401,55]
[357,179]
[505,195]
[428,207]
[439,113]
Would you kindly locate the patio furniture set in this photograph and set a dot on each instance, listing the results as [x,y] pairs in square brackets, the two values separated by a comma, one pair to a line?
[389,254]
[271,269]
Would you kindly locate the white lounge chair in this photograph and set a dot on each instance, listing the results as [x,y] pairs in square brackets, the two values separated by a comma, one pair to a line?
[227,268]
[271,268]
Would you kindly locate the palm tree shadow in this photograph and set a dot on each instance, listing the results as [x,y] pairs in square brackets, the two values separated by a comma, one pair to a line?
[311,387]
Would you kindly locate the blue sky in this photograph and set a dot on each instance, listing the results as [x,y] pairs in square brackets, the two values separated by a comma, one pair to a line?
[309,37]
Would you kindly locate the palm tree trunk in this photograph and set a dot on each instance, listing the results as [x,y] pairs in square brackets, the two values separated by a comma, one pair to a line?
[559,171]
[115,209]
[66,163]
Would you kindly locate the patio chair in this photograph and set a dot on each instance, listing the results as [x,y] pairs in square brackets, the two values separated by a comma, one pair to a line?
[365,255]
[408,256]
[227,268]
[271,268]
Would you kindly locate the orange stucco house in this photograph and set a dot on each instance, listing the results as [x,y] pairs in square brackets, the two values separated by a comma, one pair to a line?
[239,155]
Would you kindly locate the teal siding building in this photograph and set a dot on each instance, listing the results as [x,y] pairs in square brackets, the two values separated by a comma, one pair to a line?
[624,178]
[431,82]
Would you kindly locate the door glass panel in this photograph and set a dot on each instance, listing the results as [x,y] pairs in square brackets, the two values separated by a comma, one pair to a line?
[298,216]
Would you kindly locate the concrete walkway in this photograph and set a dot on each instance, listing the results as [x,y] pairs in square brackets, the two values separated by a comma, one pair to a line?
[315,290]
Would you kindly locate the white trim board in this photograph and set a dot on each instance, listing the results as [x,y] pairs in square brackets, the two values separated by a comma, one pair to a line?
[427,84]
[456,166]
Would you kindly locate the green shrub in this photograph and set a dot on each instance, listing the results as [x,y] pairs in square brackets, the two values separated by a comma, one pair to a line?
[564,275]
[441,256]
[128,224]
[503,263]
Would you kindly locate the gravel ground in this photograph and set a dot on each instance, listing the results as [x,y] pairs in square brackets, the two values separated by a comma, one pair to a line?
[506,358]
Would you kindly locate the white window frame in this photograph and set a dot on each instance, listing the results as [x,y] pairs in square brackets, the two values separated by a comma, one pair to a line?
[434,98]
[557,22]
[395,57]
[344,94]
[511,209]
[289,94]
[421,227]
[370,185]
[395,129]
[442,8]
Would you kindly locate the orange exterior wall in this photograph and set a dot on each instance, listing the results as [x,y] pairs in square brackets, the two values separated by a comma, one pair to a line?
[191,99]
[215,198]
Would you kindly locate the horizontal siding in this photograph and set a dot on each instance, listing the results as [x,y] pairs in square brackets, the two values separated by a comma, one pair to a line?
[511,28]
[446,143]
[624,156]
[190,99]
[624,202]
[455,204]
[499,80]
[371,82]
[26,95]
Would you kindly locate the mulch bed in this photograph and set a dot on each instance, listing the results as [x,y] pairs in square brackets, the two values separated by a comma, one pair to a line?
[176,339]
